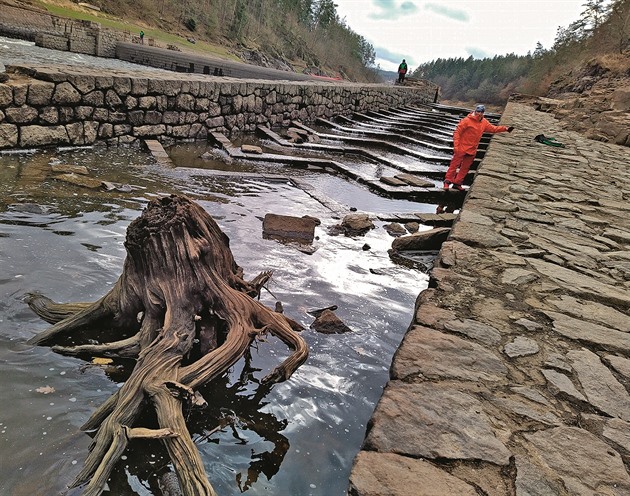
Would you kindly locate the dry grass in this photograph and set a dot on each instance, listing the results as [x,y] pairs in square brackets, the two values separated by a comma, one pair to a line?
[616,63]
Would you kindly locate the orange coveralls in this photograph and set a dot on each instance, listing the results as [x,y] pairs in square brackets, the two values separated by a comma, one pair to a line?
[465,142]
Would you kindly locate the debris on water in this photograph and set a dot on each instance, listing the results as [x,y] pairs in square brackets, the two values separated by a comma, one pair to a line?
[30,208]
[45,389]
[317,312]
[123,188]
[27,151]
[169,484]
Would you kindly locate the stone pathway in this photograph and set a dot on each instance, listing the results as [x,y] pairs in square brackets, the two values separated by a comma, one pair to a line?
[513,377]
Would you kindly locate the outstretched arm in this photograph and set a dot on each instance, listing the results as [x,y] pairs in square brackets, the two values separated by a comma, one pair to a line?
[491,128]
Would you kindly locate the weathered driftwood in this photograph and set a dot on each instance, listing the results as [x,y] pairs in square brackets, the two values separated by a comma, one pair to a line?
[183,310]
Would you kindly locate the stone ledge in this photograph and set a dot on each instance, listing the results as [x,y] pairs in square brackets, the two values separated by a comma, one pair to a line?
[524,329]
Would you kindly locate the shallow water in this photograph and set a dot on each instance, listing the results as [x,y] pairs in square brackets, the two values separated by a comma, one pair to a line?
[300,437]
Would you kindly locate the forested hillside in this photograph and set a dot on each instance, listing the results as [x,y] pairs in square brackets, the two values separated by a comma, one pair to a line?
[602,29]
[298,33]
[303,35]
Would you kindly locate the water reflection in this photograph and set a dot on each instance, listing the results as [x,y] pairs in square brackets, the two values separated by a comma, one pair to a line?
[235,415]
[299,437]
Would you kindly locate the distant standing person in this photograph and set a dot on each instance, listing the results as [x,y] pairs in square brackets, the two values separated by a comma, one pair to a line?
[402,70]
[465,142]
[142,37]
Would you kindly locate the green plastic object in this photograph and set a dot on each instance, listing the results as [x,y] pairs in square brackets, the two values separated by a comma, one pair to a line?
[545,140]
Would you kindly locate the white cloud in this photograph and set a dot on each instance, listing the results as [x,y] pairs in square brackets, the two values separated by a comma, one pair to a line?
[424,31]
[456,14]
[392,10]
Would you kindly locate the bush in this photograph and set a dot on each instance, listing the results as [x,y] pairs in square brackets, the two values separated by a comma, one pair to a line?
[190,23]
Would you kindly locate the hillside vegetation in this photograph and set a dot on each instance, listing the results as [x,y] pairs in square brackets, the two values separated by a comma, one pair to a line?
[588,66]
[286,34]
[602,31]
[299,34]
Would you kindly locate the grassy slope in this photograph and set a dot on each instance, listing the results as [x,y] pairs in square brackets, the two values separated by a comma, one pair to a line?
[163,38]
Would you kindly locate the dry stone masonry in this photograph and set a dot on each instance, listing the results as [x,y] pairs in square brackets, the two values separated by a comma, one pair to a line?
[49,106]
[25,21]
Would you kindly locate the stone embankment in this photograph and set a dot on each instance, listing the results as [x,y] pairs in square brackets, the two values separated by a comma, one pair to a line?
[22,20]
[513,377]
[170,60]
[42,106]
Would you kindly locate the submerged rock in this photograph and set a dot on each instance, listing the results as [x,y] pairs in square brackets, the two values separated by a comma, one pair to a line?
[356,224]
[328,323]
[395,229]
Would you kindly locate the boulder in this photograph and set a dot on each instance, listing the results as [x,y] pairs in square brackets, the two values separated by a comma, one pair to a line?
[356,224]
[288,228]
[395,229]
[422,241]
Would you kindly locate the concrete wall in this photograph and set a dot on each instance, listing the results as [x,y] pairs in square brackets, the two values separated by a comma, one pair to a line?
[47,106]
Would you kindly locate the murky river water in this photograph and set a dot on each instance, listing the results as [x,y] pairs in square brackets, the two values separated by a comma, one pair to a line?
[300,437]
[67,242]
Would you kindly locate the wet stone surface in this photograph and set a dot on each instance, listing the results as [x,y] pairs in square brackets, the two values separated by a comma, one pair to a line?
[534,275]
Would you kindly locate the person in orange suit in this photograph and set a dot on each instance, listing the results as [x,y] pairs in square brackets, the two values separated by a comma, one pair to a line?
[465,142]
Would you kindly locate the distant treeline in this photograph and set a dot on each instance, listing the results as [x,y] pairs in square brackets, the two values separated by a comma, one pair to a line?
[603,27]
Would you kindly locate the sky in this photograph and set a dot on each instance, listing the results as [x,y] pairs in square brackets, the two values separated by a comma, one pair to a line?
[423,31]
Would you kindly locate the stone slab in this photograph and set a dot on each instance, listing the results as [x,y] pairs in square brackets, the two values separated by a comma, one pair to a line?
[435,422]
[380,474]
[585,464]
[429,354]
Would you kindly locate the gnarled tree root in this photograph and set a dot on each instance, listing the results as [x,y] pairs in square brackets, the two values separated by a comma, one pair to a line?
[180,286]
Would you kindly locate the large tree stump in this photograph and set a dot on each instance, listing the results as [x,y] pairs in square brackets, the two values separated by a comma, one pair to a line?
[183,310]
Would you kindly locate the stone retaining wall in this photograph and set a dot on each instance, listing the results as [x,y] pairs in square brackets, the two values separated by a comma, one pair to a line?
[58,33]
[171,60]
[85,37]
[48,106]
[24,22]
